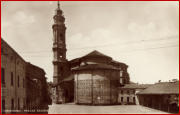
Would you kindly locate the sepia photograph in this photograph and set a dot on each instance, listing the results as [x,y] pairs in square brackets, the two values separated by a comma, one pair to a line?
[89,57]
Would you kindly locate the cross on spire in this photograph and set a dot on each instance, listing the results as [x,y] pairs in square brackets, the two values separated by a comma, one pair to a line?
[58,4]
[58,10]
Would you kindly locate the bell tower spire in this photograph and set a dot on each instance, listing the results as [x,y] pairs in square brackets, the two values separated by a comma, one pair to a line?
[59,45]
[58,4]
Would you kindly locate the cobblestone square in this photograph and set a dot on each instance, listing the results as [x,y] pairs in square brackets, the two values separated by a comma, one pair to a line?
[71,108]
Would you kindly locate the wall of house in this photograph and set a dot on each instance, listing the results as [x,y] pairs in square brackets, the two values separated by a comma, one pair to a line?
[126,96]
[37,93]
[96,87]
[160,102]
[33,94]
[14,72]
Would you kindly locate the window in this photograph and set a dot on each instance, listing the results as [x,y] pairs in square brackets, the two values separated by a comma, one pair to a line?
[18,103]
[61,39]
[128,99]
[128,92]
[124,81]
[61,36]
[121,73]
[3,106]
[121,99]
[12,104]
[134,91]
[2,76]
[122,92]
[24,102]
[17,62]
[134,100]
[121,80]
[23,82]
[2,50]
[12,79]
[18,81]
[11,58]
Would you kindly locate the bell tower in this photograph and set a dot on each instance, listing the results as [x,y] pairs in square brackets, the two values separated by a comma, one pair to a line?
[59,45]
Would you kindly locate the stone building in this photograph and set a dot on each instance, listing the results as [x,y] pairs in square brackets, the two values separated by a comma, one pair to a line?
[97,78]
[37,88]
[91,79]
[23,85]
[60,63]
[163,96]
[127,93]
[12,79]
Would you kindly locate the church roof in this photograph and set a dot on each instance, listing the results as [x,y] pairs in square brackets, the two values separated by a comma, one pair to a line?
[162,88]
[136,86]
[118,63]
[96,53]
[96,66]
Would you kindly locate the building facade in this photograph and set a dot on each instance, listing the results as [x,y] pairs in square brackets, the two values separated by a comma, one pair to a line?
[37,88]
[12,79]
[97,78]
[23,85]
[127,93]
[127,96]
[91,79]
[163,96]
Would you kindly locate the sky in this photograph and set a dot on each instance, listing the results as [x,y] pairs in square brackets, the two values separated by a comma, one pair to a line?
[142,34]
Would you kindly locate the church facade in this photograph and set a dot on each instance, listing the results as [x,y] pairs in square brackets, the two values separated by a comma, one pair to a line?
[97,78]
[92,79]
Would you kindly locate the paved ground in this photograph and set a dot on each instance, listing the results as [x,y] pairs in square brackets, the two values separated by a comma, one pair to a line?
[115,109]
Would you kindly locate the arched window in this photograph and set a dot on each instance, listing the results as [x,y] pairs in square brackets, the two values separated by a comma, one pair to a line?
[122,92]
[61,37]
[121,99]
[127,99]
[134,100]
[121,73]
